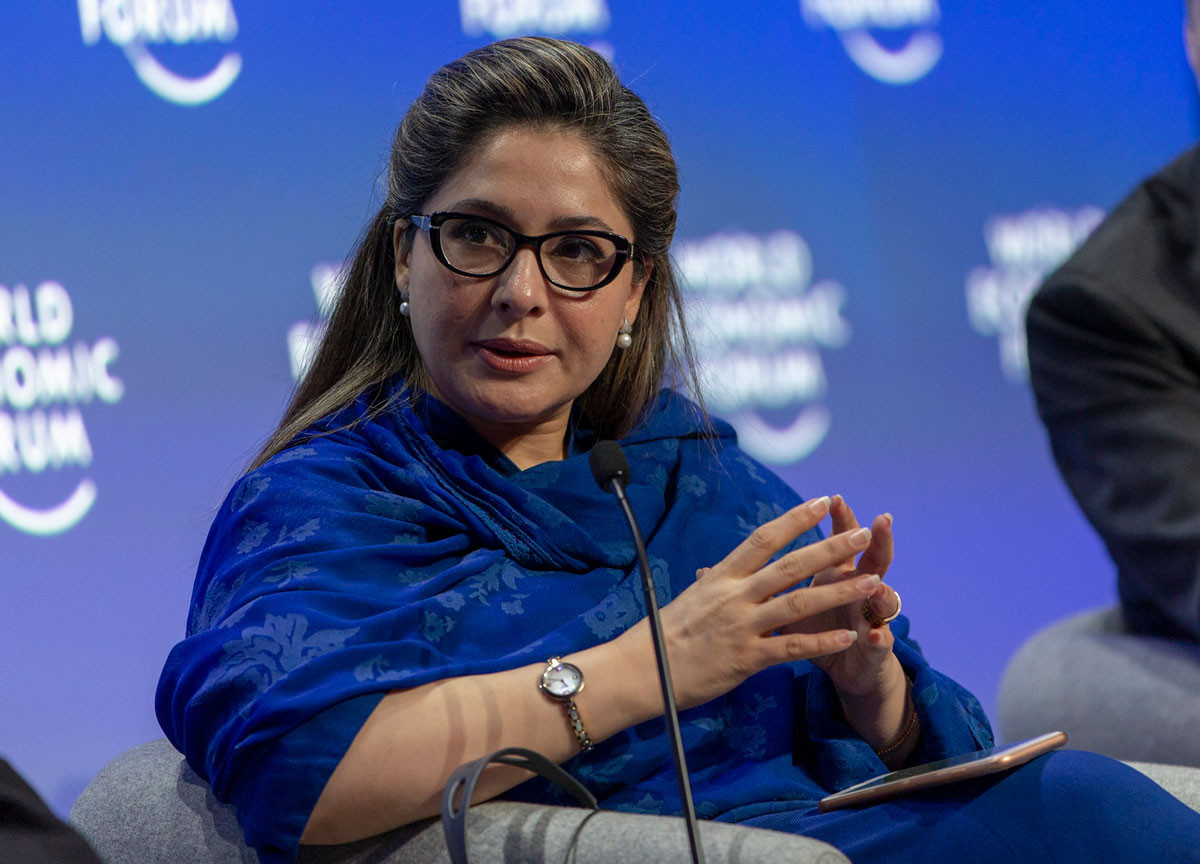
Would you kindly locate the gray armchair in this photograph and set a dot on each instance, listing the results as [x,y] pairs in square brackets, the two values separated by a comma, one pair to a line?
[1126,696]
[148,807]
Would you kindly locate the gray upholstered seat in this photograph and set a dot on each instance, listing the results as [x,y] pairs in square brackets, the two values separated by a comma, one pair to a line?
[1129,697]
[148,807]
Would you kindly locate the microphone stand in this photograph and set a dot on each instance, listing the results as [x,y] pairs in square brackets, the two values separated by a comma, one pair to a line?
[664,675]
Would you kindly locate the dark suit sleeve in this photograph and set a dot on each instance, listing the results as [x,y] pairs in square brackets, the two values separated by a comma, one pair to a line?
[1121,402]
[30,833]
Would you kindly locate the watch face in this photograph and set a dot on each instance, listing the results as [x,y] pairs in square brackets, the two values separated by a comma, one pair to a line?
[562,680]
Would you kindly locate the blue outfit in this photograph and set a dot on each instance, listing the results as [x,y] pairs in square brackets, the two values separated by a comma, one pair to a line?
[393,547]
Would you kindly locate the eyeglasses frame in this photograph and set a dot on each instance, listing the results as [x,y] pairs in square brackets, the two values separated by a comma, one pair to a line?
[431,224]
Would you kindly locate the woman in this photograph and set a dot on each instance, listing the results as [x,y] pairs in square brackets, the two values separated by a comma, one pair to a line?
[419,546]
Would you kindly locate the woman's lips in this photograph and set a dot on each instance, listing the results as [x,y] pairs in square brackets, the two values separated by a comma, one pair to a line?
[512,355]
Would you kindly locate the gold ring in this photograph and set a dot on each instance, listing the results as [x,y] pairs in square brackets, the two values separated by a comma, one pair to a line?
[873,619]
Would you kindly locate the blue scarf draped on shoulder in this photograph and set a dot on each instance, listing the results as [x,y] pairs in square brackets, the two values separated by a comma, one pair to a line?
[394,550]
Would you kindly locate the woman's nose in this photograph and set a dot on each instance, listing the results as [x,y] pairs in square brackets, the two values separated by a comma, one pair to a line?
[521,289]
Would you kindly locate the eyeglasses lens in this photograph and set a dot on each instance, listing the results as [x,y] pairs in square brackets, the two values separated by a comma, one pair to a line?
[478,247]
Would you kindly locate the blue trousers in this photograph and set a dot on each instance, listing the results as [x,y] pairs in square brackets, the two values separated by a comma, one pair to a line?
[1067,807]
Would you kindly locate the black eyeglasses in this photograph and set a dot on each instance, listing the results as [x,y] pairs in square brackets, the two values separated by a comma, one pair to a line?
[478,246]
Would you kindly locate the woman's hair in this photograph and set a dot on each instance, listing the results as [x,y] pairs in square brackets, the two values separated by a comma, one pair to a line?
[531,81]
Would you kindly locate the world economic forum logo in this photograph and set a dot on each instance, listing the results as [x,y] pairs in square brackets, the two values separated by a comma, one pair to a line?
[504,18]
[44,385]
[893,41]
[760,322]
[135,25]
[304,337]
[1023,248]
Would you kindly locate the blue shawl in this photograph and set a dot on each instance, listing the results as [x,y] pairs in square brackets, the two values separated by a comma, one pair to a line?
[386,550]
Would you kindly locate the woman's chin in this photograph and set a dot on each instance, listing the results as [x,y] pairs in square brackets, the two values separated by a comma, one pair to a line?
[516,412]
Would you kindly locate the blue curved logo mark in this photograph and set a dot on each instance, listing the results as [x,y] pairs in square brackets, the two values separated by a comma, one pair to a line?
[134,25]
[51,520]
[857,21]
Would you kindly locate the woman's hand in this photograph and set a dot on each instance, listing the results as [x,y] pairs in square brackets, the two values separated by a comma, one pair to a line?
[868,677]
[730,624]
[864,669]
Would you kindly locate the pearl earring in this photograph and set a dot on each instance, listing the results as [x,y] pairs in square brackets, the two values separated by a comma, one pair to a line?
[403,305]
[625,335]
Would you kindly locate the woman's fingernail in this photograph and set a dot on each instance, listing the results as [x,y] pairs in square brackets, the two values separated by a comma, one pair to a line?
[888,517]
[861,537]
[867,583]
[819,507]
[847,637]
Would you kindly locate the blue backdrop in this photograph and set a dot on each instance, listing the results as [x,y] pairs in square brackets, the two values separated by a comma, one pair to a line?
[871,189]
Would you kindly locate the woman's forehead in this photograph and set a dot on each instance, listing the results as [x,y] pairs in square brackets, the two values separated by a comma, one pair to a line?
[523,175]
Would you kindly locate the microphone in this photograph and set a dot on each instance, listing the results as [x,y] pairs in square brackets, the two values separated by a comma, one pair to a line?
[611,470]
[608,463]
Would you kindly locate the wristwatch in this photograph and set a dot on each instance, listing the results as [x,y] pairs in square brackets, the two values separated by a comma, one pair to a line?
[562,683]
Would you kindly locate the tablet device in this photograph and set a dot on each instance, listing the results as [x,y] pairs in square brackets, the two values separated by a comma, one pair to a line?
[977,764]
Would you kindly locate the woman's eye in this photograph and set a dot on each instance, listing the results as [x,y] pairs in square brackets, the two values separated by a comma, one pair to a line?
[477,234]
[578,249]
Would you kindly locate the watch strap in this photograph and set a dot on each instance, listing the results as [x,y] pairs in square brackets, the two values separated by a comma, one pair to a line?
[577,725]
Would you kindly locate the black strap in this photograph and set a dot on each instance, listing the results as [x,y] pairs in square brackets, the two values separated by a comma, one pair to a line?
[456,796]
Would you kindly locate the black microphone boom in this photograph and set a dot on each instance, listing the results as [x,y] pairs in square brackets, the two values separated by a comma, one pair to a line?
[611,470]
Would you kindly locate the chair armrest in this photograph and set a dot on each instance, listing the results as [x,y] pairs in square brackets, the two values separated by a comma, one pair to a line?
[1180,780]
[147,806]
[512,832]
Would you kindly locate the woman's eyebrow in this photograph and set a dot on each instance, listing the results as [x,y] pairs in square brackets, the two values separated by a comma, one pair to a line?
[491,208]
[506,215]
[568,222]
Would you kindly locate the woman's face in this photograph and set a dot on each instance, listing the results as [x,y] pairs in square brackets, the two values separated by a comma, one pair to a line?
[512,352]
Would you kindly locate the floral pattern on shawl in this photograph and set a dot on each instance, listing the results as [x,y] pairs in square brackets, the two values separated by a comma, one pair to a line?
[392,549]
